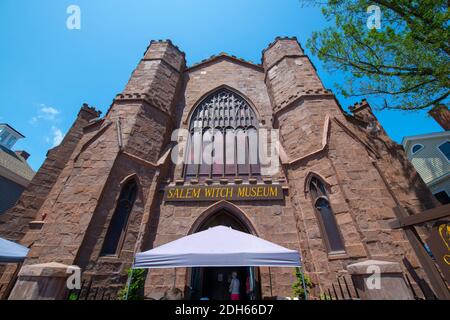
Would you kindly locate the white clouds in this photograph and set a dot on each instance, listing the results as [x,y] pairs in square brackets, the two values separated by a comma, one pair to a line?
[45,113]
[49,111]
[57,136]
[48,119]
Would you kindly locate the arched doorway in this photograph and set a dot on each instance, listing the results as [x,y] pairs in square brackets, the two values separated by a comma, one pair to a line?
[213,282]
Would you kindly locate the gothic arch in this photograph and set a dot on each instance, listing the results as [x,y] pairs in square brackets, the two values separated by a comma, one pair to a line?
[217,89]
[319,192]
[199,279]
[308,178]
[231,209]
[120,219]
[223,137]
[132,176]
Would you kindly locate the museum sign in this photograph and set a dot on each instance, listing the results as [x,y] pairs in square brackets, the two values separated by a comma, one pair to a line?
[214,193]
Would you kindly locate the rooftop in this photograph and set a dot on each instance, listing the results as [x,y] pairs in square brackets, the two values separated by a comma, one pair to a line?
[13,165]
[442,134]
[7,125]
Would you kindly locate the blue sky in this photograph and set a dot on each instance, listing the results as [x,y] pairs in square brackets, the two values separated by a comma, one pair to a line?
[48,71]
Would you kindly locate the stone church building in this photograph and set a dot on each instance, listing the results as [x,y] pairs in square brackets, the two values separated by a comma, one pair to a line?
[103,194]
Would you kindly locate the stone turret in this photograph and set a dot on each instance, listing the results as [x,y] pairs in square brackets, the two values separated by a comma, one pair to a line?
[150,94]
[289,72]
[156,76]
[293,83]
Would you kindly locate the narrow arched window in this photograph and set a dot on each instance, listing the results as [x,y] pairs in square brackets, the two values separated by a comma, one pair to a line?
[207,153]
[230,151]
[327,221]
[218,153]
[253,151]
[223,131]
[119,220]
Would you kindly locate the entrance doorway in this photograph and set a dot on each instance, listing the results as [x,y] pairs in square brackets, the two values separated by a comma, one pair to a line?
[216,282]
[213,282]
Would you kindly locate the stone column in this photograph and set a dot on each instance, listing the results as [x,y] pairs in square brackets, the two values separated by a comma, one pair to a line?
[392,285]
[45,281]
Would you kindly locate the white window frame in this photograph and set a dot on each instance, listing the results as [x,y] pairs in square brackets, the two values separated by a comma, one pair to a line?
[437,146]
[417,144]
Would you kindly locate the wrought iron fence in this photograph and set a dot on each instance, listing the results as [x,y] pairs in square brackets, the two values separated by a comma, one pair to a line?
[344,288]
[89,292]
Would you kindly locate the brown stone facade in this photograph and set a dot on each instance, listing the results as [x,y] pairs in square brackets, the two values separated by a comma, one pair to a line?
[76,191]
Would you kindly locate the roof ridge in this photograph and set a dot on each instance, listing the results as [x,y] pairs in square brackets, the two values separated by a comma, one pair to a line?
[224,55]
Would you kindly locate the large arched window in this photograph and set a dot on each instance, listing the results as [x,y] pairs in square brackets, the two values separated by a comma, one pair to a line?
[223,138]
[327,221]
[119,220]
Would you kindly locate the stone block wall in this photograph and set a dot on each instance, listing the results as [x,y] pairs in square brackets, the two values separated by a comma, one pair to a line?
[15,223]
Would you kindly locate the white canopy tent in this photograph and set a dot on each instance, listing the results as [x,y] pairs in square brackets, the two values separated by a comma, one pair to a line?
[11,252]
[217,247]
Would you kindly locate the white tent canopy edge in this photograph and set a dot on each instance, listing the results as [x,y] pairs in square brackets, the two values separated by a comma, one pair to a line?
[218,246]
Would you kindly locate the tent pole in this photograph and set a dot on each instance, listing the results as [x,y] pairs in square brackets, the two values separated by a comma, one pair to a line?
[270,279]
[129,283]
[174,277]
[303,282]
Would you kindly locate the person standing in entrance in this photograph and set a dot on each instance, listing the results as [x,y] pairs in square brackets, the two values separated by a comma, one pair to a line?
[234,286]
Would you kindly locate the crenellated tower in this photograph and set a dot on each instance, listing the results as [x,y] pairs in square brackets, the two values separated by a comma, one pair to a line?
[300,103]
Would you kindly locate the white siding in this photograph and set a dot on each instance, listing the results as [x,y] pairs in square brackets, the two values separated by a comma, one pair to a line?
[429,162]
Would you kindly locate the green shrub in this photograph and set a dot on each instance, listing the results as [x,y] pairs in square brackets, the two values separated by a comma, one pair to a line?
[136,290]
[297,287]
[73,296]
